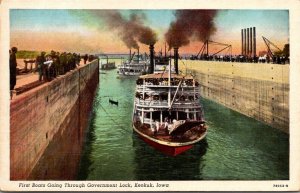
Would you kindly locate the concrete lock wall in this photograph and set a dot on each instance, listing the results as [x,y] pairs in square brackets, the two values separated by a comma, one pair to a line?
[47,125]
[258,90]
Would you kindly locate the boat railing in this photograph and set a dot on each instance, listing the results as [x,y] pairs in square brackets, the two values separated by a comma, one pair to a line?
[158,92]
[151,103]
[147,120]
[155,103]
[149,86]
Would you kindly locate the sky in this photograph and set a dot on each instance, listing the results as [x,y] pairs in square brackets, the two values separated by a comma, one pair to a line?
[85,31]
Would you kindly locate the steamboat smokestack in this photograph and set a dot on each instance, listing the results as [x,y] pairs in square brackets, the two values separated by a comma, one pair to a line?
[129,54]
[176,60]
[138,55]
[151,69]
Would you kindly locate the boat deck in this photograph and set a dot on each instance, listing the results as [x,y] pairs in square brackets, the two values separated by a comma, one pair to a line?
[163,134]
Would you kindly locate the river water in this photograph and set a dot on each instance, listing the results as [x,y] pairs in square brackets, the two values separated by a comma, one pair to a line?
[236,147]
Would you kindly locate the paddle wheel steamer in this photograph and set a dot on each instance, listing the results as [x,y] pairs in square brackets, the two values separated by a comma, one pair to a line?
[134,66]
[167,112]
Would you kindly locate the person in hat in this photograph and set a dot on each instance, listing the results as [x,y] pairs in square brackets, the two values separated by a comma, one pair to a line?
[40,63]
[13,69]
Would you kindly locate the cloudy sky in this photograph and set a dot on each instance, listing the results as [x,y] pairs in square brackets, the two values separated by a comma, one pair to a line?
[89,31]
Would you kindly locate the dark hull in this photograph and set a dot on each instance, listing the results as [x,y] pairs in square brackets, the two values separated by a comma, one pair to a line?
[108,66]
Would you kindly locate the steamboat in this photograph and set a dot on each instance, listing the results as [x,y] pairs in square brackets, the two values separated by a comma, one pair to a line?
[134,66]
[167,114]
[108,65]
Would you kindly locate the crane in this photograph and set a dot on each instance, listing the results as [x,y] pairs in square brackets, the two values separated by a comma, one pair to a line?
[204,51]
[268,43]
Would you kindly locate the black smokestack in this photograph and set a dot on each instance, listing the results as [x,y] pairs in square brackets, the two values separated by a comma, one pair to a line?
[247,53]
[251,51]
[151,69]
[254,42]
[245,42]
[242,42]
[176,60]
[138,54]
[188,23]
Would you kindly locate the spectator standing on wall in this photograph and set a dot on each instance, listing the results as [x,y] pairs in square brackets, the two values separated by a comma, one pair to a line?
[69,62]
[85,58]
[56,65]
[63,61]
[13,69]
[40,63]
[78,59]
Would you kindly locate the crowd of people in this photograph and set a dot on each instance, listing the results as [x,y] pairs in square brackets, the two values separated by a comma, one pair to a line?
[48,65]
[164,81]
[241,58]
[54,64]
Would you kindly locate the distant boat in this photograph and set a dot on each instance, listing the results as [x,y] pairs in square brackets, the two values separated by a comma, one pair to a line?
[108,66]
[135,66]
[167,113]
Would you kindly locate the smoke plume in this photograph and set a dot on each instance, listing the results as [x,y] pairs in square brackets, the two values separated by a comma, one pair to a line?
[131,30]
[188,23]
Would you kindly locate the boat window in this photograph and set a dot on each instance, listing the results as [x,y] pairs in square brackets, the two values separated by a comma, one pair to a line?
[147,115]
[164,96]
[169,116]
[191,116]
[138,95]
[182,115]
[146,96]
[155,97]
[182,98]
[139,81]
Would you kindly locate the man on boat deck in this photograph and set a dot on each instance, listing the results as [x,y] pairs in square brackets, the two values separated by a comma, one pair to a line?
[166,123]
[157,125]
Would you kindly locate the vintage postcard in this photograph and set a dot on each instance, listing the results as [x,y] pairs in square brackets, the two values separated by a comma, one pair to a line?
[149,96]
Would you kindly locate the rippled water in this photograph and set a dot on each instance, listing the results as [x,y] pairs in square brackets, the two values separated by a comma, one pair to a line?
[236,147]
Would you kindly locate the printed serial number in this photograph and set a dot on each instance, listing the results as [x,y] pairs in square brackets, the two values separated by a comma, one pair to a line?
[280,185]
